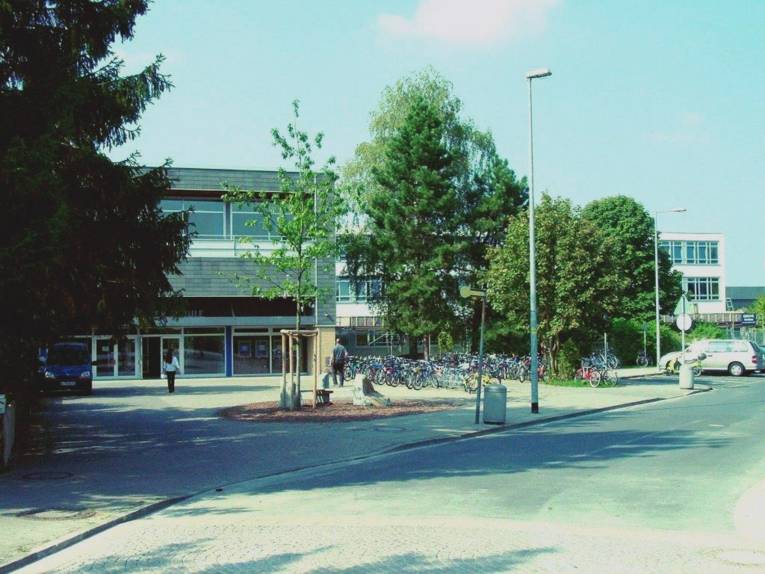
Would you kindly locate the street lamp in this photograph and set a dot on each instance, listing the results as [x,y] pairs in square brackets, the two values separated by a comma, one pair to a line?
[533,74]
[656,274]
[468,293]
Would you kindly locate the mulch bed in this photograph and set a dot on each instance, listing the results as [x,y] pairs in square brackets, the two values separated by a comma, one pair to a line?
[339,411]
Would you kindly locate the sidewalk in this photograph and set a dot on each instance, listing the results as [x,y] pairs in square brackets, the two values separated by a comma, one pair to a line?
[131,446]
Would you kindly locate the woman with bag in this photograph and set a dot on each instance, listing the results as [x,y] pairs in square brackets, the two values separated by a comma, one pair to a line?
[170,366]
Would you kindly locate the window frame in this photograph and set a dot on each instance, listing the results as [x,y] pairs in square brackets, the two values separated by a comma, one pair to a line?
[702,289]
[255,213]
[188,205]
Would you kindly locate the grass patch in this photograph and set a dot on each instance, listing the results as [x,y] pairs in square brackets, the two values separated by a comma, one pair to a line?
[566,383]
[573,383]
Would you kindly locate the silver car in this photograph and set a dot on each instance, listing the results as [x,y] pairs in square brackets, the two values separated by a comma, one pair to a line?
[736,356]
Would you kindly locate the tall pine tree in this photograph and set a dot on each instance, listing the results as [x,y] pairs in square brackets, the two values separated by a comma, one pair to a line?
[411,241]
[84,244]
[488,191]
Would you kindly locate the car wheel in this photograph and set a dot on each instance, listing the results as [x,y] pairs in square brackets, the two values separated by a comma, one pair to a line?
[736,369]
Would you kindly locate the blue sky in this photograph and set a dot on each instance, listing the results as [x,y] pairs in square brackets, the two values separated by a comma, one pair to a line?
[660,100]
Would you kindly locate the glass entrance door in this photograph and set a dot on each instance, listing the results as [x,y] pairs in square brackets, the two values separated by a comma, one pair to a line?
[105,360]
[152,358]
[115,359]
[172,343]
[126,358]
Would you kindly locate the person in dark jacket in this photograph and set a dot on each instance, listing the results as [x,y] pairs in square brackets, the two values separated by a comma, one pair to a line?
[339,358]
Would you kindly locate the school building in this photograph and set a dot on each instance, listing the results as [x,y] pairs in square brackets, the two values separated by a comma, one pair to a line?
[226,331]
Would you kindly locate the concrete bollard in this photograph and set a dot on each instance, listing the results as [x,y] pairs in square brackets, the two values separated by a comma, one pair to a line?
[358,391]
[686,376]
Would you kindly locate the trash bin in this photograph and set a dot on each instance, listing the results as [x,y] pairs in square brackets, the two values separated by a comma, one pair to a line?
[686,376]
[494,404]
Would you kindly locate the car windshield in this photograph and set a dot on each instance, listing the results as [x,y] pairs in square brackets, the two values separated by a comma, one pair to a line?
[68,356]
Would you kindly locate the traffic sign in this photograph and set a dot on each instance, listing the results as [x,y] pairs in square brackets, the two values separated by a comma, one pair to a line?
[468,292]
[684,322]
[684,306]
[749,319]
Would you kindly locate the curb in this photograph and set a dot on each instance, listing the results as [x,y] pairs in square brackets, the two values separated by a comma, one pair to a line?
[72,540]
[162,504]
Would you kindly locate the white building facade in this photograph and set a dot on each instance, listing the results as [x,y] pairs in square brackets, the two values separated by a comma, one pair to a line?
[700,257]
[359,325]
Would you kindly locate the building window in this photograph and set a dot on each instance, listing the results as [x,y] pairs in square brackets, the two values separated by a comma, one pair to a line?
[677,252]
[343,291]
[204,354]
[362,291]
[691,252]
[206,217]
[377,339]
[248,221]
[702,288]
[251,355]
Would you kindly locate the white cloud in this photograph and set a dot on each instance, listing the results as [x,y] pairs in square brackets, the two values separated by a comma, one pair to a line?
[688,129]
[469,22]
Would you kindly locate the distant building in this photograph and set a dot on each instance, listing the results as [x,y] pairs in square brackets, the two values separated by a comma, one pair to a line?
[744,297]
[700,257]
[359,325]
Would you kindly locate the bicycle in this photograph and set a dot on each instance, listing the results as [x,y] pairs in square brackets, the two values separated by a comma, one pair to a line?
[642,360]
[588,373]
[673,367]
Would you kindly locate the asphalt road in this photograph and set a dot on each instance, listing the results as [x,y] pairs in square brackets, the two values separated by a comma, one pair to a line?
[676,486]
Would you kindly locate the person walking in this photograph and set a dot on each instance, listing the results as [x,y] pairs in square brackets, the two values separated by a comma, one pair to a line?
[339,357]
[170,366]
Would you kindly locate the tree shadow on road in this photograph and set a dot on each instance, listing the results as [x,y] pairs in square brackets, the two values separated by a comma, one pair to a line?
[179,557]
[582,446]
[406,563]
[193,556]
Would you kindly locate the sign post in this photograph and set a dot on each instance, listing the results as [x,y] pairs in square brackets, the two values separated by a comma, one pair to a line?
[645,339]
[467,293]
[683,321]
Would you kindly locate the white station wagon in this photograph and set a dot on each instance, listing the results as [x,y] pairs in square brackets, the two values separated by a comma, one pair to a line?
[736,356]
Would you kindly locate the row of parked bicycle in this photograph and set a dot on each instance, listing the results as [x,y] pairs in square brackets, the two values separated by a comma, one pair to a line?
[448,371]
[598,368]
[461,370]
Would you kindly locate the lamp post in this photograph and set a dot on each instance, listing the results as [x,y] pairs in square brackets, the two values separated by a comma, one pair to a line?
[656,274]
[468,293]
[533,74]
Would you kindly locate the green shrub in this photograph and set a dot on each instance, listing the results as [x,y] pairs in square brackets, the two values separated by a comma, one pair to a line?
[568,360]
[445,342]
[625,339]
[702,330]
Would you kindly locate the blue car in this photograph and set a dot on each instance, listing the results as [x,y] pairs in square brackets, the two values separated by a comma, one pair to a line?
[67,367]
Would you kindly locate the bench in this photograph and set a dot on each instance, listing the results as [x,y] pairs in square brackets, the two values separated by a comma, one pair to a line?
[323,396]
